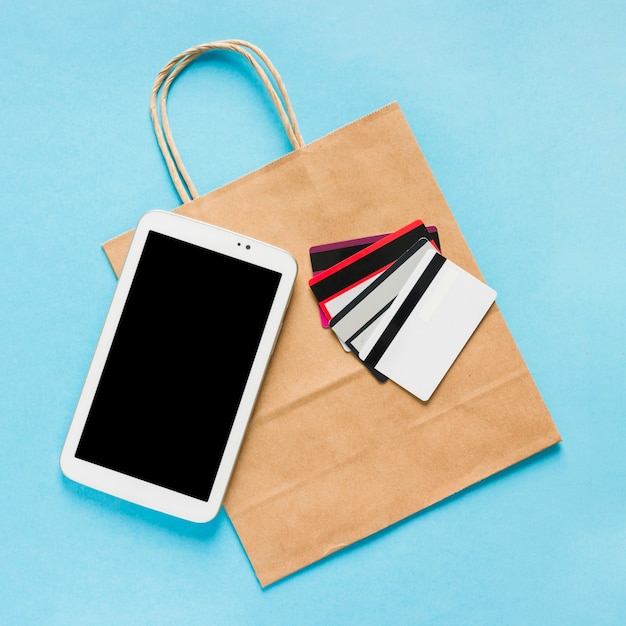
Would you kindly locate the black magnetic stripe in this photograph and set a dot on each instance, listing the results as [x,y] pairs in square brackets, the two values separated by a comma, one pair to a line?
[365,326]
[401,315]
[435,237]
[366,265]
[321,261]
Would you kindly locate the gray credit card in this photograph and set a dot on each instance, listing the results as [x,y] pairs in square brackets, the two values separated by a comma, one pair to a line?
[353,323]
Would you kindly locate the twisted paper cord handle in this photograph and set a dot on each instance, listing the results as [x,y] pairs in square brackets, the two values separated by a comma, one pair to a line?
[187,190]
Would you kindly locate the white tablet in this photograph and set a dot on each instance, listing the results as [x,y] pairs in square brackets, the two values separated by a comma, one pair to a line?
[178,366]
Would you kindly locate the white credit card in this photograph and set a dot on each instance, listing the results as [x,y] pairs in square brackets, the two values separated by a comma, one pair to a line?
[417,339]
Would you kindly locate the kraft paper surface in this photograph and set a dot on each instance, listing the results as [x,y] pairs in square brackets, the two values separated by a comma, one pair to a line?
[331,456]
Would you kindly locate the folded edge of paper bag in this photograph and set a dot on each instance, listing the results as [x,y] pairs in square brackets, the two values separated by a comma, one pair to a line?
[424,453]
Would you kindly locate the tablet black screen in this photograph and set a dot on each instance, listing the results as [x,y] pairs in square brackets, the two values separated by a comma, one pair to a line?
[178,365]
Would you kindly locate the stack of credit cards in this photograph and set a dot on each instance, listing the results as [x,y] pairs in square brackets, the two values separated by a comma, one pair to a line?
[398,304]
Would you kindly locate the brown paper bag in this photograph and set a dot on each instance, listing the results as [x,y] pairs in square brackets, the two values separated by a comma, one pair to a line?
[332,456]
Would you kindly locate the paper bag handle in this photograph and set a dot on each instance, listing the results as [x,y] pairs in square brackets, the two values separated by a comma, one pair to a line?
[187,190]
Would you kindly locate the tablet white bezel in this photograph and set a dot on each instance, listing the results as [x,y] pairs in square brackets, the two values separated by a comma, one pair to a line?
[139,491]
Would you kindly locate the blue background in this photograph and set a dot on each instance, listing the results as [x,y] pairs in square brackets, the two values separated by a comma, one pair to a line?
[520,109]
